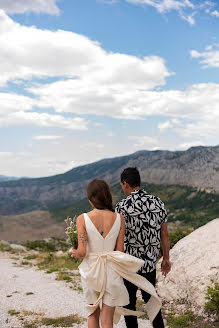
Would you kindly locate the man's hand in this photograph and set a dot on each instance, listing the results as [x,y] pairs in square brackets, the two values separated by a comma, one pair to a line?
[165,266]
[74,253]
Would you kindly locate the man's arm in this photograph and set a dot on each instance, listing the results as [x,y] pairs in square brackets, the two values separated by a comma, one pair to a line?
[165,265]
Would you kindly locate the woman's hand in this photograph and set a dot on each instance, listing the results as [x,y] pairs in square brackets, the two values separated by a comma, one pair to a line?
[75,253]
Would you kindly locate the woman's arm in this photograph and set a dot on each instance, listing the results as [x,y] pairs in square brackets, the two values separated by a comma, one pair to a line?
[82,238]
[120,239]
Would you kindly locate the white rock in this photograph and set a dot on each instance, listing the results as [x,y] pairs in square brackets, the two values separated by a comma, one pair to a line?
[195,262]
[59,253]
[4,242]
[18,247]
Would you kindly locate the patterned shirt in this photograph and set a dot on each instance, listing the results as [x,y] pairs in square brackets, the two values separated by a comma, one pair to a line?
[144,214]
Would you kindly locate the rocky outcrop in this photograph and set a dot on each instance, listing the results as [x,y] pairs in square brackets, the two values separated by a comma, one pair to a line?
[195,262]
[197,167]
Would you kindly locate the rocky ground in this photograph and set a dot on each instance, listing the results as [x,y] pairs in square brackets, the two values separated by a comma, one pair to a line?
[28,295]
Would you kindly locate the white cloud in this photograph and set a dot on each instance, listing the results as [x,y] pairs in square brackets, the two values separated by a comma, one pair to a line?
[22,6]
[144,142]
[185,8]
[43,120]
[208,58]
[47,137]
[16,110]
[28,52]
[215,13]
[187,145]
[164,5]
[163,126]
[188,18]
[11,103]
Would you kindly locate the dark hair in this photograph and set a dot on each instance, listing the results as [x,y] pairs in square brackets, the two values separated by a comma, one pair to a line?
[131,176]
[98,192]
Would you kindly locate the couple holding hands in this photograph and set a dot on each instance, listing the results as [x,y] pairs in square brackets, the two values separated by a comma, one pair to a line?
[120,250]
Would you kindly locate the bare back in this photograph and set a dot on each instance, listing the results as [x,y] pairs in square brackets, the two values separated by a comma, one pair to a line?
[103,220]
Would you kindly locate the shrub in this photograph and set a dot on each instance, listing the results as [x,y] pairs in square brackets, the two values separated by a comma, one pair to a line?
[212,297]
[176,235]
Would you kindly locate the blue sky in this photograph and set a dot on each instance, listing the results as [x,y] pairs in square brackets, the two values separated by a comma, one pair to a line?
[82,80]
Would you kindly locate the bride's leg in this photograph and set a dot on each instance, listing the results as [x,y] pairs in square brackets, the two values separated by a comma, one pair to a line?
[93,319]
[106,316]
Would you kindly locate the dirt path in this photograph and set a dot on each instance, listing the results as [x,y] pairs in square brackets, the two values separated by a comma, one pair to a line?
[25,289]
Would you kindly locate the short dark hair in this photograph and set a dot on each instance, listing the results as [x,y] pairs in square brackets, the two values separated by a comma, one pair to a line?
[98,192]
[131,176]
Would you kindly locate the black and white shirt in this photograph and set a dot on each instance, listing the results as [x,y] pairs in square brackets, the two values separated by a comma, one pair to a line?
[144,214]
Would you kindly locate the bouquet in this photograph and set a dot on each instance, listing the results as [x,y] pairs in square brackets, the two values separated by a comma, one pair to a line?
[71,231]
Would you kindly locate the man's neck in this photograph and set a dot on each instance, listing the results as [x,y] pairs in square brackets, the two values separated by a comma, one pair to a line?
[133,189]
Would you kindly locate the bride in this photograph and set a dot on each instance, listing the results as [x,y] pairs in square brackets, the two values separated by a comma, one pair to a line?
[101,245]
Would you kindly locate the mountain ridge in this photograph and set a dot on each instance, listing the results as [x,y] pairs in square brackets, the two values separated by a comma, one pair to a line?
[197,167]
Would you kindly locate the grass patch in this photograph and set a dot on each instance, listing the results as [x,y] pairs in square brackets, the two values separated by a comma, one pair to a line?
[25,263]
[28,313]
[5,248]
[189,320]
[29,293]
[185,320]
[68,321]
[64,276]
[15,258]
[51,263]
[31,257]
[13,312]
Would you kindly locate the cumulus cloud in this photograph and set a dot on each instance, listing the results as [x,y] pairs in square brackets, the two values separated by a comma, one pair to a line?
[28,52]
[208,58]
[22,6]
[17,110]
[215,13]
[42,119]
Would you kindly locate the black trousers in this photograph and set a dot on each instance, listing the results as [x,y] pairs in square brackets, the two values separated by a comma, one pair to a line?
[131,321]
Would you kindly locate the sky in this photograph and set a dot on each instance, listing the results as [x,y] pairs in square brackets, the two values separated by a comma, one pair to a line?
[83,80]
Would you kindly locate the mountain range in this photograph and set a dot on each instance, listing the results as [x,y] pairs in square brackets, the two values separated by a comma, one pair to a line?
[196,167]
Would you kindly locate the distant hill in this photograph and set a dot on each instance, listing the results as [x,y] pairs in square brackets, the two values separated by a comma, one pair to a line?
[6,178]
[196,167]
[185,204]
[187,207]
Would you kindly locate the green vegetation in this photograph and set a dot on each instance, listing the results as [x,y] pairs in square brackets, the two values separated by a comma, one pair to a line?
[185,320]
[13,312]
[29,293]
[25,263]
[176,235]
[5,248]
[67,276]
[68,321]
[52,245]
[52,263]
[188,205]
[189,320]
[31,257]
[75,209]
[212,297]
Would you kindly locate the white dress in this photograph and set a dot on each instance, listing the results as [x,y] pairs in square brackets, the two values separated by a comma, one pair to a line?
[103,269]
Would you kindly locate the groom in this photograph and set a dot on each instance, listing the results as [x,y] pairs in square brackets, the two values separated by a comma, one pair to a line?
[146,225]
